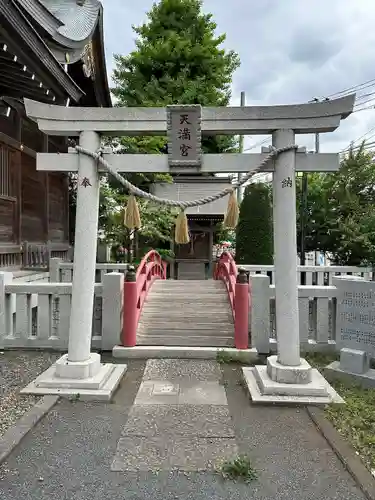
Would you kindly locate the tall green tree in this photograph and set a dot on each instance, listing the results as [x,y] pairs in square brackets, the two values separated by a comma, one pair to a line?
[254,242]
[341,210]
[178,60]
[317,224]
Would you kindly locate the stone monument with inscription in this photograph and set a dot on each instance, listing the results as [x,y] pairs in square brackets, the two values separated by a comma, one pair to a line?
[355,331]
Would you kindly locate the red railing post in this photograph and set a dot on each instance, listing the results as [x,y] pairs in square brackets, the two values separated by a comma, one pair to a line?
[130,317]
[241,311]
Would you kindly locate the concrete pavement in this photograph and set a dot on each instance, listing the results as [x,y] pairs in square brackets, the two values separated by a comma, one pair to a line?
[144,445]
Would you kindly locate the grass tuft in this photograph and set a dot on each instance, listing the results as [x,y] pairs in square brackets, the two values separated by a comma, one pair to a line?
[74,397]
[224,357]
[239,468]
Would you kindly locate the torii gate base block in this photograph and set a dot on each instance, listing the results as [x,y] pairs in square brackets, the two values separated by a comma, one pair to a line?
[94,380]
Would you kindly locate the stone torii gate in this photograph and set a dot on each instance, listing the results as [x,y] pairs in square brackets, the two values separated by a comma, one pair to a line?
[80,370]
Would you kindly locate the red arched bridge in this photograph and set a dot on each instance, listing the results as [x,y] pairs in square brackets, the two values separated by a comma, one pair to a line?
[171,312]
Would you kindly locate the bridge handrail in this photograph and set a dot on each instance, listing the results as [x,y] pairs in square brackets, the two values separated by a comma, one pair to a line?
[238,294]
[136,288]
[226,270]
[151,267]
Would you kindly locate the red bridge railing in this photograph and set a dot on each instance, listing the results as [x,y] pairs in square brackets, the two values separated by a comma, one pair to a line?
[136,287]
[237,286]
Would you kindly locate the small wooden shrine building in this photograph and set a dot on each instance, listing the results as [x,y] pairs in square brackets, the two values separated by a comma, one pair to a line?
[194,260]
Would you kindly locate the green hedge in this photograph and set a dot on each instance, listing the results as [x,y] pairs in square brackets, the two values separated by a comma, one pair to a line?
[254,241]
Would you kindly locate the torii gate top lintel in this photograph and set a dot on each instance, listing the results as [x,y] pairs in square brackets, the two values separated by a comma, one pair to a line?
[301,118]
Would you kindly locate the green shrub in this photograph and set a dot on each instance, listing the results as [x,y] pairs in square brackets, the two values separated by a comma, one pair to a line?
[254,241]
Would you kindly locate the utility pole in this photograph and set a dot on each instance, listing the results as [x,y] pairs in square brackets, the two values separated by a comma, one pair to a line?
[317,142]
[303,209]
[240,147]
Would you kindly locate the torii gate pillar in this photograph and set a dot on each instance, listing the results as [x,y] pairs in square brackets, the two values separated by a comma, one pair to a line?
[80,371]
[86,234]
[285,251]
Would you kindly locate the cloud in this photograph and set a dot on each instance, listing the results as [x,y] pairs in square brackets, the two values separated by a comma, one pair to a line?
[291,51]
[308,47]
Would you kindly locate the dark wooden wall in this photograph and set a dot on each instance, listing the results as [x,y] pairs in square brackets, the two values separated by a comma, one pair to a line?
[198,248]
[33,205]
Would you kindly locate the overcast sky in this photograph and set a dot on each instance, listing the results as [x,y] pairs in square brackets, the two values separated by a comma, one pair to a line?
[291,51]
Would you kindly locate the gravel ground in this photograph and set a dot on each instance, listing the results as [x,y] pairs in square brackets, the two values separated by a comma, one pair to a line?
[17,369]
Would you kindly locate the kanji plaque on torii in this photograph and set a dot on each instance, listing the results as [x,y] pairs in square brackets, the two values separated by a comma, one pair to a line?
[184,135]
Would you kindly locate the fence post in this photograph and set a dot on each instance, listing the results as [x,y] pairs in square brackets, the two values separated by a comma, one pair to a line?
[70,254]
[48,253]
[5,279]
[112,309]
[25,251]
[54,269]
[129,331]
[260,313]
[241,310]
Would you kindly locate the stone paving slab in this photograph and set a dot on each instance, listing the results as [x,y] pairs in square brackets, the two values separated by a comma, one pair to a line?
[203,393]
[179,420]
[186,369]
[183,453]
[166,392]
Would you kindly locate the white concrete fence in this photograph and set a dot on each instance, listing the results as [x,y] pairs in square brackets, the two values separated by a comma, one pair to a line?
[62,272]
[37,314]
[317,316]
[314,275]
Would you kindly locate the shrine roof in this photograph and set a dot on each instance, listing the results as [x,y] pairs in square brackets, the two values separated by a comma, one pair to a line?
[40,37]
[70,23]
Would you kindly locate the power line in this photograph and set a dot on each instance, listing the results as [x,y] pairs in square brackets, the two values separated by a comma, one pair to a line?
[363,109]
[367,148]
[350,90]
[359,138]
[365,95]
[365,102]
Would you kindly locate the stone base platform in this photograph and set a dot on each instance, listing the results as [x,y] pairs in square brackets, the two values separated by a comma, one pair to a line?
[89,380]
[181,352]
[288,385]
[334,372]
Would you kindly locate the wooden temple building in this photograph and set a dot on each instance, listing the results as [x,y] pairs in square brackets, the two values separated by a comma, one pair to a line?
[51,51]
[195,260]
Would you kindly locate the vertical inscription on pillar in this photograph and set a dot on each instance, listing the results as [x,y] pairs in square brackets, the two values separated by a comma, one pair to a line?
[356,315]
[86,182]
[184,135]
[287,182]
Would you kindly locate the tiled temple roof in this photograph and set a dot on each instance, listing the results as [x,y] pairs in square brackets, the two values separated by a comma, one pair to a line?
[69,22]
[42,36]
